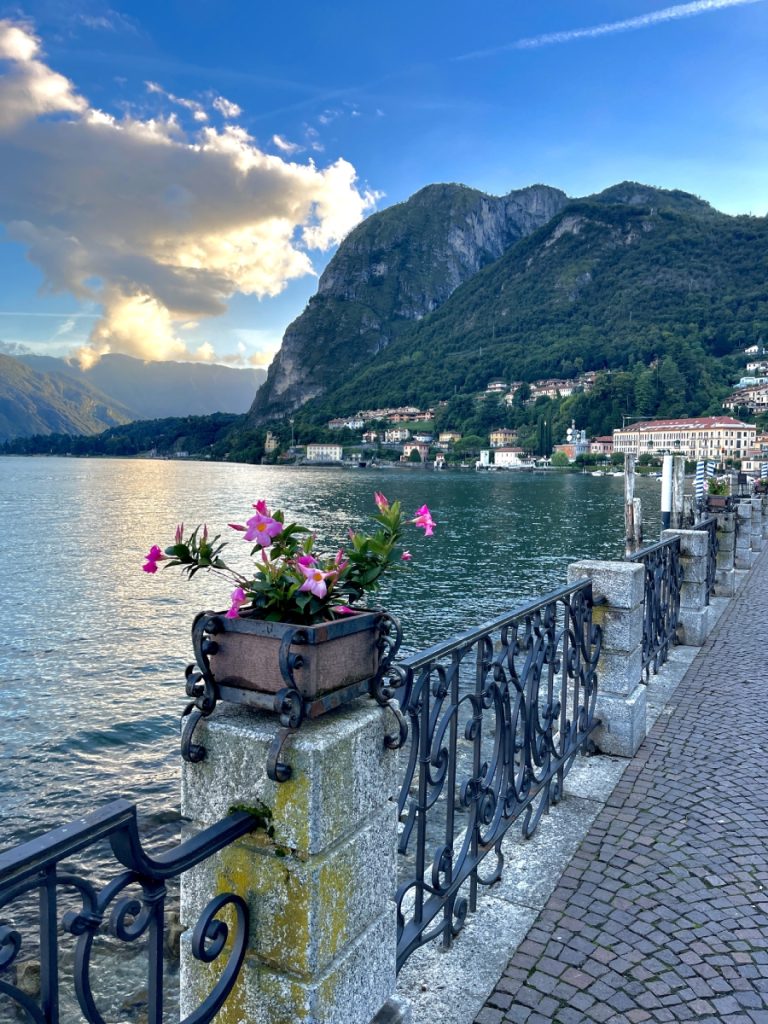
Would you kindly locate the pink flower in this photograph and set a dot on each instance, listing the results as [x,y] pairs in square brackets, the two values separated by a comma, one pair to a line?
[341,561]
[238,599]
[406,556]
[155,555]
[314,580]
[261,508]
[305,560]
[262,529]
[178,537]
[381,502]
[424,519]
[237,526]
[344,609]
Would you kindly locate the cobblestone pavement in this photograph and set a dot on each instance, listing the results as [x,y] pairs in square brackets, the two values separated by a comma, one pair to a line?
[662,915]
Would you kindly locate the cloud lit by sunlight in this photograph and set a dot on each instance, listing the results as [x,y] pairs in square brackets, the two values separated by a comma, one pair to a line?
[157,224]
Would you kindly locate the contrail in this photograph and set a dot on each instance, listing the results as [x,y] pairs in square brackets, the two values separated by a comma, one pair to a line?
[608,28]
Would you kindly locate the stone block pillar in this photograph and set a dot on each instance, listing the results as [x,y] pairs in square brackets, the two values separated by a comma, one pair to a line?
[743,557]
[756,542]
[726,553]
[318,873]
[694,603]
[621,695]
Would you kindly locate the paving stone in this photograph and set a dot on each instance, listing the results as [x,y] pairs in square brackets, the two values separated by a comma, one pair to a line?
[660,915]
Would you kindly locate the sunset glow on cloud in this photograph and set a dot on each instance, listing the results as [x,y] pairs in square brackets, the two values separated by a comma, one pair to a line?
[158,224]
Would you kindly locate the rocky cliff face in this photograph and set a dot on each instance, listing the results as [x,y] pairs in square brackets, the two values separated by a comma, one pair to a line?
[395,268]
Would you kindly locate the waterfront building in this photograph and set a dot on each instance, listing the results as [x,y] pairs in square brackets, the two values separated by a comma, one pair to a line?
[707,437]
[601,445]
[271,443]
[324,453]
[415,446]
[508,458]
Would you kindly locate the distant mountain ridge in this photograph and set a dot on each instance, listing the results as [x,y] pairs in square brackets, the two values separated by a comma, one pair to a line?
[47,403]
[41,395]
[395,268]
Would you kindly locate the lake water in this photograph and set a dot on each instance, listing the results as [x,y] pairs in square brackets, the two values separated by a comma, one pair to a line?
[93,653]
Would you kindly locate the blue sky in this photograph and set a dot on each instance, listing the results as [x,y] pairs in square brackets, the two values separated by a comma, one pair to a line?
[175,175]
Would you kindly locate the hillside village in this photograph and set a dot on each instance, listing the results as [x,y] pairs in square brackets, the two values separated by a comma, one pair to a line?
[407,434]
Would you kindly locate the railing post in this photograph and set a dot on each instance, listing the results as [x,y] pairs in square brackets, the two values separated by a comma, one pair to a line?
[694,596]
[618,590]
[743,556]
[318,873]
[756,539]
[725,577]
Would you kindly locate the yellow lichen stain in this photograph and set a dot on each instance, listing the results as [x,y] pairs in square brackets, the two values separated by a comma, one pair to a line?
[292,811]
[335,885]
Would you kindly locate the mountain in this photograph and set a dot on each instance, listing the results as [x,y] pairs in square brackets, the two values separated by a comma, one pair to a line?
[156,390]
[620,280]
[44,403]
[394,269]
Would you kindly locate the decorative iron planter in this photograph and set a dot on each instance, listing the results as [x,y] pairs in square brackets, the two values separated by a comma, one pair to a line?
[295,671]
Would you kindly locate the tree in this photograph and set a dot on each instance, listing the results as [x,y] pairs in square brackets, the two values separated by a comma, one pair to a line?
[560,459]
[414,455]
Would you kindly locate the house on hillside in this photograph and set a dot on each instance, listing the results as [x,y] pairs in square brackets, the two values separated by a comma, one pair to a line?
[324,453]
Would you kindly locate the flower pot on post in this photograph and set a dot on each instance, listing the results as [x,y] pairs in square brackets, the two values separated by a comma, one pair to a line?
[298,671]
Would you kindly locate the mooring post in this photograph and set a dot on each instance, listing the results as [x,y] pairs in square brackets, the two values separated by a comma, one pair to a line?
[678,490]
[666,492]
[618,589]
[318,871]
[694,597]
[633,515]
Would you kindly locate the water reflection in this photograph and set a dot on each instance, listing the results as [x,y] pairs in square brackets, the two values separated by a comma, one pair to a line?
[93,657]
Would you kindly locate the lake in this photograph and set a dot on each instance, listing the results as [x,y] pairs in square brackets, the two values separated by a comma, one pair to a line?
[93,655]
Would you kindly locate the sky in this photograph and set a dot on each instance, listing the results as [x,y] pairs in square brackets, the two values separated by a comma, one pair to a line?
[175,176]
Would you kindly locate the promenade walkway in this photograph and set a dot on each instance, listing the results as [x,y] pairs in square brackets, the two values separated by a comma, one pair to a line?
[662,915]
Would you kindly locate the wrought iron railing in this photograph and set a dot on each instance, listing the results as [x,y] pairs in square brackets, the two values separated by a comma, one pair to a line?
[713,545]
[497,716]
[134,900]
[661,601]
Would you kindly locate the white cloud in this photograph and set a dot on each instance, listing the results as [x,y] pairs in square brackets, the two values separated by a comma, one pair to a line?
[30,88]
[158,226]
[688,10]
[285,146]
[226,108]
[197,110]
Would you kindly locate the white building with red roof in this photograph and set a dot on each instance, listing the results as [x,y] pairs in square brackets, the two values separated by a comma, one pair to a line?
[708,437]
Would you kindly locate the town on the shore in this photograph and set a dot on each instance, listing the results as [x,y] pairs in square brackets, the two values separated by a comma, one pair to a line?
[405,433]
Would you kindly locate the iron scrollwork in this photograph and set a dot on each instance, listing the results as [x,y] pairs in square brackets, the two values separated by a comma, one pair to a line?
[661,602]
[713,546]
[496,718]
[36,866]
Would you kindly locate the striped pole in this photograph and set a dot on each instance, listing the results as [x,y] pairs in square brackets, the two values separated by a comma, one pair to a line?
[699,484]
[764,470]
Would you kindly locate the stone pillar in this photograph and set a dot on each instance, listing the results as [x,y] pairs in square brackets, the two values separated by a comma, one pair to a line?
[756,542]
[694,604]
[726,552]
[318,875]
[621,695]
[743,557]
